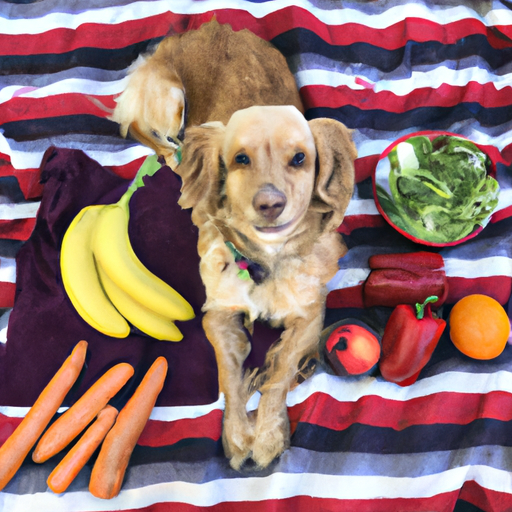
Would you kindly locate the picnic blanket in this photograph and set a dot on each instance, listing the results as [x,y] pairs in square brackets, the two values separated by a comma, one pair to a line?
[384,68]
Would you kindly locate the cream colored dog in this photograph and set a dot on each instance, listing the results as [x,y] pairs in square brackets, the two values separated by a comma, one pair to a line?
[199,76]
[268,192]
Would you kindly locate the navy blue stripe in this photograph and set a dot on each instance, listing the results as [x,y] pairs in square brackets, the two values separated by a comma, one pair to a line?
[9,248]
[186,450]
[290,43]
[96,58]
[41,128]
[464,506]
[422,118]
[414,439]
[439,118]
[301,40]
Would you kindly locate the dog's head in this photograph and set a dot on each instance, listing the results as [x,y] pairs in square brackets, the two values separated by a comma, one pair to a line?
[152,106]
[266,169]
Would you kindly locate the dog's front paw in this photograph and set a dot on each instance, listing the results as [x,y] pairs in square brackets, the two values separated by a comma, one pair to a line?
[237,440]
[270,442]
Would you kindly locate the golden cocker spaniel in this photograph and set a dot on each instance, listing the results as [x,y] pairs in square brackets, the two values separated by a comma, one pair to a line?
[268,191]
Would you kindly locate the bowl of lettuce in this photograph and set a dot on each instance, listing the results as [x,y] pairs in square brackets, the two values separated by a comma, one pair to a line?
[436,188]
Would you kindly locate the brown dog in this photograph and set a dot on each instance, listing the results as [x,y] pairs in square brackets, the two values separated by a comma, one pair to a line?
[267,192]
[199,76]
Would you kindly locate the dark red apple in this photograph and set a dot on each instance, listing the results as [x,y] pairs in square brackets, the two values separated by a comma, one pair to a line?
[352,349]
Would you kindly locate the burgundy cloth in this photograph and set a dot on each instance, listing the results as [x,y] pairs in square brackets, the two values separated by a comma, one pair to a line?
[44,326]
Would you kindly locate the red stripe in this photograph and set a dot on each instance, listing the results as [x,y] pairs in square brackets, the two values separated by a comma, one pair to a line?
[497,287]
[486,499]
[442,407]
[91,35]
[502,214]
[7,426]
[17,229]
[445,95]
[364,167]
[129,170]
[23,108]
[112,36]
[353,222]
[442,502]
[166,433]
[7,293]
[28,179]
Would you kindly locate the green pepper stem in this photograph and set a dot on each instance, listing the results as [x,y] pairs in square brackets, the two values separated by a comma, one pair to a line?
[420,308]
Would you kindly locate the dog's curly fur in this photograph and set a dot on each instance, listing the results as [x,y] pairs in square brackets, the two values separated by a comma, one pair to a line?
[276,187]
[199,76]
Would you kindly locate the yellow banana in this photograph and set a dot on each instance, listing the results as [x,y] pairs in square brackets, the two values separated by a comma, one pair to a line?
[81,280]
[137,314]
[113,252]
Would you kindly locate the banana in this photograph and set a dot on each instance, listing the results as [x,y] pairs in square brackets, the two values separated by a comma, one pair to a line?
[137,314]
[81,280]
[114,254]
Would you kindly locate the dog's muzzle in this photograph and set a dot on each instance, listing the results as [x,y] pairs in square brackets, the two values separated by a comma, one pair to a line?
[269,202]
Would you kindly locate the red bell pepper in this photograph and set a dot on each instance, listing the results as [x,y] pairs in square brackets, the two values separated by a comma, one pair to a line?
[409,339]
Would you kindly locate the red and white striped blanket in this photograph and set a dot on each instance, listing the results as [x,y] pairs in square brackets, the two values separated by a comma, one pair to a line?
[383,68]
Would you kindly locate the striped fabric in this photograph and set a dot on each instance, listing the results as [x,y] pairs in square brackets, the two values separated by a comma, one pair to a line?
[385,69]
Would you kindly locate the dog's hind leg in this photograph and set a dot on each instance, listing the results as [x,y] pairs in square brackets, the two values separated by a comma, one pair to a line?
[225,331]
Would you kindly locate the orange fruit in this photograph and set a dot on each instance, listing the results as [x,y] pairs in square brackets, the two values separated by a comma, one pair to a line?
[479,326]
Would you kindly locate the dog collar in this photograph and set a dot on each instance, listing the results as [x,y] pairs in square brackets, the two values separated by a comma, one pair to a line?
[248,269]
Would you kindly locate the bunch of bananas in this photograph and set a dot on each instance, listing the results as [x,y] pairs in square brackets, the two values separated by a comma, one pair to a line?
[105,280]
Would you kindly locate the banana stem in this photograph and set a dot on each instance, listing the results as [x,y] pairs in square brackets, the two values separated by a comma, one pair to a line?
[149,167]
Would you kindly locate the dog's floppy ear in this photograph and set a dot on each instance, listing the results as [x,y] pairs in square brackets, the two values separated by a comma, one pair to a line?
[334,182]
[200,167]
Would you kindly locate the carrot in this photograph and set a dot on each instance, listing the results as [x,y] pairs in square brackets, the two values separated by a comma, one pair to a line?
[21,441]
[82,412]
[110,466]
[81,452]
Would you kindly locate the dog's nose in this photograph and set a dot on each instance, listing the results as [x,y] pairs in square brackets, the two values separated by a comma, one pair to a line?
[269,202]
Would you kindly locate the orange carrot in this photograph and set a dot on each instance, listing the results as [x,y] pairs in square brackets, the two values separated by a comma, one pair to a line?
[82,412]
[81,452]
[110,466]
[21,441]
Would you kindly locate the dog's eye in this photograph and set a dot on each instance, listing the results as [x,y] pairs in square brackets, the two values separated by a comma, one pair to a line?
[298,159]
[242,158]
[171,140]
[155,134]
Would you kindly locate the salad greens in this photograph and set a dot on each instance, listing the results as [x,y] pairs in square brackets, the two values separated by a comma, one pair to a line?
[440,189]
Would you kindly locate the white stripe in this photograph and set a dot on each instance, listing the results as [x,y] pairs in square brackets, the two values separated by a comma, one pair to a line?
[402,86]
[493,266]
[353,389]
[24,160]
[4,321]
[361,207]
[142,10]
[7,270]
[348,277]
[374,142]
[186,412]
[13,211]
[67,86]
[483,267]
[272,487]
[21,412]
